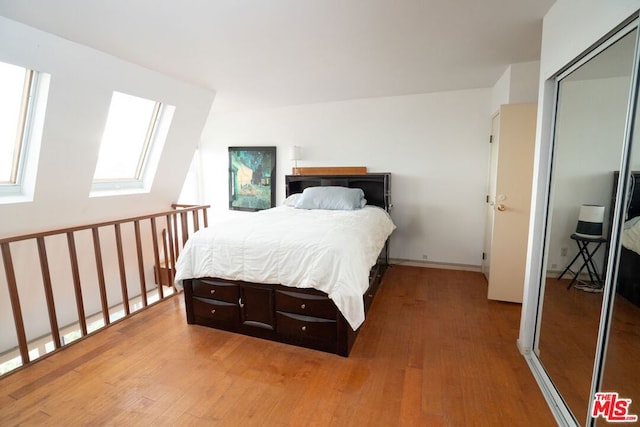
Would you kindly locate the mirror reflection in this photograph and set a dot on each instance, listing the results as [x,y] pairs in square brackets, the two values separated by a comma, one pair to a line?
[589,134]
[621,371]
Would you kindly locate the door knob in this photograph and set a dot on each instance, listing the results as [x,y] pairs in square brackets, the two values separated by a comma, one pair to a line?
[501,207]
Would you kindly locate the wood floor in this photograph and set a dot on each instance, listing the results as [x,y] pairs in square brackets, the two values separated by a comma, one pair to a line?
[568,341]
[433,352]
[568,338]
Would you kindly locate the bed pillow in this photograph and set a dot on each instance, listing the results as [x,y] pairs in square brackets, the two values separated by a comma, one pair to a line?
[331,198]
[631,235]
[292,200]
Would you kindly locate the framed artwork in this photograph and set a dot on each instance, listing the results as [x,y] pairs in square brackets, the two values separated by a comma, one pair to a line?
[252,172]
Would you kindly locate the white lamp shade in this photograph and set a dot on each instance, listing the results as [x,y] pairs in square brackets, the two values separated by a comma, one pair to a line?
[590,221]
[294,153]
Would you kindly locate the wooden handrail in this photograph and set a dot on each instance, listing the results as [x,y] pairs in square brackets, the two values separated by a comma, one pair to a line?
[177,220]
[99,224]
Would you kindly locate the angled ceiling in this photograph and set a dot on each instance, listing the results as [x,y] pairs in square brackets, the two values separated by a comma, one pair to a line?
[262,54]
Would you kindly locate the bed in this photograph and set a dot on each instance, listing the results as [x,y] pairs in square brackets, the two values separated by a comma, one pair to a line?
[628,283]
[304,273]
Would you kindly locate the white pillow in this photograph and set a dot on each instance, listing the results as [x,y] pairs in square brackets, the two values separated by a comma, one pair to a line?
[331,198]
[292,200]
[631,223]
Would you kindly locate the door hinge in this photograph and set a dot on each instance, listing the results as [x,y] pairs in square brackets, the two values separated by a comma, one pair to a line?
[487,199]
[490,139]
[483,255]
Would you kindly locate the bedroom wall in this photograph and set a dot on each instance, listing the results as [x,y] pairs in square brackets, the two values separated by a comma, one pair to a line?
[82,81]
[435,145]
[517,85]
[571,26]
[524,82]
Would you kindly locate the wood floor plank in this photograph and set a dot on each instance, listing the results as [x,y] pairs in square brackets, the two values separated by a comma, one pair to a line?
[433,351]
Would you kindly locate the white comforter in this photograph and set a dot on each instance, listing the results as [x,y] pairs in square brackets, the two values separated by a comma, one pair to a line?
[331,251]
[631,235]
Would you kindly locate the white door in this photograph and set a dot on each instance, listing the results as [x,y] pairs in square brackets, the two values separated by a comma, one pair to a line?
[511,199]
[491,195]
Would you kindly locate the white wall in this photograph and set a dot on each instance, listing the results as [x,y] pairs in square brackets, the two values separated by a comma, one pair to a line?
[500,91]
[435,146]
[524,82]
[82,81]
[517,85]
[569,28]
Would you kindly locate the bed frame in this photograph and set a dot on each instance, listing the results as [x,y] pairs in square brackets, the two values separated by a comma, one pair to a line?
[302,317]
[628,283]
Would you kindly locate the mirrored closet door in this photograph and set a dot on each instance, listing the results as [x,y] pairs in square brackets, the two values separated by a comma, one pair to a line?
[621,371]
[587,211]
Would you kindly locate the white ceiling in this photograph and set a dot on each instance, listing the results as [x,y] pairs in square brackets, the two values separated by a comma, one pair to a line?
[268,53]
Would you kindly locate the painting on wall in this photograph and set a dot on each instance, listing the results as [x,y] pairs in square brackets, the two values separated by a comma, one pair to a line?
[252,178]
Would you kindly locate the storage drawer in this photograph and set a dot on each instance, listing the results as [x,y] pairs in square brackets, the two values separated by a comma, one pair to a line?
[374,273]
[215,310]
[299,326]
[216,289]
[308,305]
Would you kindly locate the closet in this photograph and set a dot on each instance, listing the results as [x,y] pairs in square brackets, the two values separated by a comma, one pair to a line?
[583,346]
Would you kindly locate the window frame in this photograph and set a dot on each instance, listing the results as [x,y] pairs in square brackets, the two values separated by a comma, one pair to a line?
[155,137]
[21,185]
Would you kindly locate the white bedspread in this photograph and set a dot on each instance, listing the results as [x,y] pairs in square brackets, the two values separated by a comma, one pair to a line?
[331,251]
[631,235]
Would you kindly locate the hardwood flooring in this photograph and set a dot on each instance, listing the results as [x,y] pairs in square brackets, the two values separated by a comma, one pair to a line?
[568,338]
[568,341]
[433,352]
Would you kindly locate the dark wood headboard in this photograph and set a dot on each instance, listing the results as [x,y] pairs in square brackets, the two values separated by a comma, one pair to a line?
[376,186]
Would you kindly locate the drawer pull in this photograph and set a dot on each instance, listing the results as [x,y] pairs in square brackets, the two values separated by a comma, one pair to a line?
[303,306]
[304,328]
[213,291]
[213,311]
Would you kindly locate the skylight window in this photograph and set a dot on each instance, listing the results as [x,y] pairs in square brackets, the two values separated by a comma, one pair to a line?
[16,92]
[133,137]
[23,103]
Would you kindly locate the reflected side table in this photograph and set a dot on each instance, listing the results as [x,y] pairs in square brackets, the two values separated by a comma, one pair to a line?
[586,256]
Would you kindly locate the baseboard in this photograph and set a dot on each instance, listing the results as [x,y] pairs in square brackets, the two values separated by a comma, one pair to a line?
[440,265]
[553,274]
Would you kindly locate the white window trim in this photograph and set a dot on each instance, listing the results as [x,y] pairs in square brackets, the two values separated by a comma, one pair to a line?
[24,187]
[149,166]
